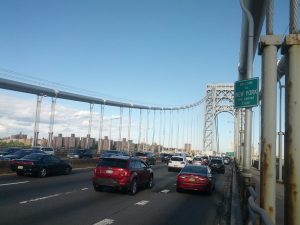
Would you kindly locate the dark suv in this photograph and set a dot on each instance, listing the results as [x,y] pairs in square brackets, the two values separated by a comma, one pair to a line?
[80,153]
[122,172]
[147,157]
[217,165]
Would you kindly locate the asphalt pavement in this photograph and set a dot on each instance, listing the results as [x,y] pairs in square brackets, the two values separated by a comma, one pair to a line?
[70,199]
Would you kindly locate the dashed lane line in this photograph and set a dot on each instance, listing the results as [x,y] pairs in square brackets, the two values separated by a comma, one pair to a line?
[8,184]
[105,222]
[165,191]
[144,202]
[41,198]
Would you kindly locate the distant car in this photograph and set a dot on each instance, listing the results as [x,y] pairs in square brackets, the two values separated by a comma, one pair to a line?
[9,151]
[195,177]
[226,160]
[197,161]
[109,153]
[189,158]
[147,157]
[217,165]
[177,163]
[48,150]
[122,172]
[21,153]
[41,165]
[80,153]
[165,157]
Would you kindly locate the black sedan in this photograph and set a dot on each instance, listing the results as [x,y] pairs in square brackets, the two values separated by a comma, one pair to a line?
[41,165]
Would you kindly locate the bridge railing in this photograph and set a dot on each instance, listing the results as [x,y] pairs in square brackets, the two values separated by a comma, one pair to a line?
[255,210]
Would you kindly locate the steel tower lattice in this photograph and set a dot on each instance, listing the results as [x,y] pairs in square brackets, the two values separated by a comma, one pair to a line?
[219,98]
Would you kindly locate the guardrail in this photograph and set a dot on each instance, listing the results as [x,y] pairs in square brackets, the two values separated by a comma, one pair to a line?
[254,210]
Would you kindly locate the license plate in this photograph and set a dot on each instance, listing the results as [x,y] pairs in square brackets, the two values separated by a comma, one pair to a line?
[20,167]
[192,179]
[109,171]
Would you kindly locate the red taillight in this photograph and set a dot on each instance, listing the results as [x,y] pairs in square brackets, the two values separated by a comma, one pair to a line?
[124,172]
[28,163]
[182,176]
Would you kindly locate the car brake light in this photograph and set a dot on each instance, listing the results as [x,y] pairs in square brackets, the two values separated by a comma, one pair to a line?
[123,173]
[182,177]
[27,163]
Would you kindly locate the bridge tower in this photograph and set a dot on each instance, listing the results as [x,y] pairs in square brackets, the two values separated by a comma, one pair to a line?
[219,98]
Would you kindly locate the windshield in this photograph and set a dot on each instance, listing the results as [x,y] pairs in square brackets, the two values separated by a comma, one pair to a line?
[177,159]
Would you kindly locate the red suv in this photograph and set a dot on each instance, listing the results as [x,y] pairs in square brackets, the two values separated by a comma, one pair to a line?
[122,172]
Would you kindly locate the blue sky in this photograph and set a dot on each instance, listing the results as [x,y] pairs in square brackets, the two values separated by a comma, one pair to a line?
[158,52]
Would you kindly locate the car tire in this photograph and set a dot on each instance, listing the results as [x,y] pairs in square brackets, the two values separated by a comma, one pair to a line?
[133,187]
[178,189]
[169,169]
[43,172]
[68,170]
[150,182]
[20,173]
[98,188]
[210,190]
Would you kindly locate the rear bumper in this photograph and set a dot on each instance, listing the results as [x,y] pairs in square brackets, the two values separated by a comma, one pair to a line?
[194,187]
[110,182]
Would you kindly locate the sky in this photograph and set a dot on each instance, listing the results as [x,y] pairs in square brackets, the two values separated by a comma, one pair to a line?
[158,52]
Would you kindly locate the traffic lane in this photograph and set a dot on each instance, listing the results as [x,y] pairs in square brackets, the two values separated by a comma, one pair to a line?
[16,189]
[89,207]
[84,206]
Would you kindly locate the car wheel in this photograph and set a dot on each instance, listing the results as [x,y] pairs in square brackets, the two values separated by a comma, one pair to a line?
[133,187]
[43,172]
[150,182]
[210,190]
[98,188]
[68,170]
[169,169]
[19,173]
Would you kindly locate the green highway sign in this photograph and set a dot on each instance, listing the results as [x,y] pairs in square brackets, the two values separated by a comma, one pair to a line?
[246,93]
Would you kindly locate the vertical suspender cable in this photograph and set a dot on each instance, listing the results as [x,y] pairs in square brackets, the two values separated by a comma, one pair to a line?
[147,128]
[164,130]
[178,126]
[140,130]
[120,145]
[129,129]
[160,133]
[170,130]
[154,120]
[100,129]
[183,128]
[90,126]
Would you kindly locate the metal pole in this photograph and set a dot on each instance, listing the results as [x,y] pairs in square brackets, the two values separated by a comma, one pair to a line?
[101,129]
[164,130]
[50,136]
[268,48]
[37,120]
[248,113]
[292,127]
[147,129]
[280,134]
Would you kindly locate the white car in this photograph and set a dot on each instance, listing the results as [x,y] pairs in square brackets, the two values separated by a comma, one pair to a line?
[177,163]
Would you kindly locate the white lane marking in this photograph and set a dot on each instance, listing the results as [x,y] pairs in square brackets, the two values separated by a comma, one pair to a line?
[144,202]
[8,184]
[84,189]
[42,198]
[105,222]
[165,191]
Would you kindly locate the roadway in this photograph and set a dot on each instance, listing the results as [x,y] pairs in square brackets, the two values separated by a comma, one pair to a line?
[71,199]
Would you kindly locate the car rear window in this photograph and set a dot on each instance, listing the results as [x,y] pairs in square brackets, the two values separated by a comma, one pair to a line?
[177,159]
[140,154]
[216,161]
[115,163]
[202,170]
